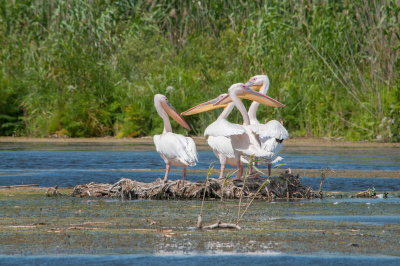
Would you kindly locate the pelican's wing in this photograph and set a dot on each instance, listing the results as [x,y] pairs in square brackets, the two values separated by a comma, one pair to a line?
[272,129]
[221,145]
[221,127]
[191,150]
[173,146]
[277,159]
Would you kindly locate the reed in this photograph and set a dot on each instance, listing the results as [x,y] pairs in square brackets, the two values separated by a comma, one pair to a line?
[90,68]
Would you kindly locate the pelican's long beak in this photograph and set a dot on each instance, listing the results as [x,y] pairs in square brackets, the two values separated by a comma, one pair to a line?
[174,115]
[252,95]
[223,101]
[253,86]
[203,107]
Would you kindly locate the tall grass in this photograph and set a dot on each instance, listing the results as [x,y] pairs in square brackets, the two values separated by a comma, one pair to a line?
[90,68]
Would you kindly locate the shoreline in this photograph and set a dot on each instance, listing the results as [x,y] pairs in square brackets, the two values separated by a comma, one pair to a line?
[201,141]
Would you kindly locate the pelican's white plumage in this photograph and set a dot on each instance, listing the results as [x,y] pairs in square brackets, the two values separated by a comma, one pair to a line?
[272,133]
[247,143]
[174,149]
[218,139]
[218,131]
[273,129]
[222,127]
[229,141]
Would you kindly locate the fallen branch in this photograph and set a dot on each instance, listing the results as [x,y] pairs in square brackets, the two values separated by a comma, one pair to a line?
[219,225]
[17,186]
[369,193]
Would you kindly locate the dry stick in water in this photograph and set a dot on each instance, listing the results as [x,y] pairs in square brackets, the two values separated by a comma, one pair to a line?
[324,171]
[241,192]
[199,218]
[222,189]
[251,201]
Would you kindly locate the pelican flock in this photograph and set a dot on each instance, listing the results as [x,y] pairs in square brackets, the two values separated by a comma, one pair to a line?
[232,144]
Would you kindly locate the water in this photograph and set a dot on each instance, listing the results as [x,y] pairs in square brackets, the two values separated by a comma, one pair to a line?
[68,168]
[276,259]
[330,231]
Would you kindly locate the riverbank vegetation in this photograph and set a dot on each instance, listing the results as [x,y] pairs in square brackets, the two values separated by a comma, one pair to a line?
[90,68]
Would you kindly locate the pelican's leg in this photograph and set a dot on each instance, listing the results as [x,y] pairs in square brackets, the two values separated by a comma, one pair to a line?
[269,169]
[221,173]
[250,169]
[167,167]
[240,171]
[184,175]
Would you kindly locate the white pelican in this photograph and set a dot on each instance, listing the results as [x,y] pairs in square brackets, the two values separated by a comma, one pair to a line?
[243,140]
[272,133]
[219,143]
[174,149]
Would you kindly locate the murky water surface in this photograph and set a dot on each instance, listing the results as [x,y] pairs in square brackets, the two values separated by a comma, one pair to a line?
[234,259]
[64,229]
[72,165]
[33,224]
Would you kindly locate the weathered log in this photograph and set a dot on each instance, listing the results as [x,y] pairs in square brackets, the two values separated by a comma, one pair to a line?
[284,186]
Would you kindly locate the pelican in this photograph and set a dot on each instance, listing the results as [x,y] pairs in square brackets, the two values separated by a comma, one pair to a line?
[272,133]
[243,140]
[249,143]
[174,149]
[216,139]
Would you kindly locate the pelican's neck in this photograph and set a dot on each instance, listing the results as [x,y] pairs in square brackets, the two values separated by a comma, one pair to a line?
[161,112]
[254,106]
[227,111]
[240,106]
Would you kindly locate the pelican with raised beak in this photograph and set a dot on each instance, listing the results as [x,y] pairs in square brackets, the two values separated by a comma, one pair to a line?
[174,149]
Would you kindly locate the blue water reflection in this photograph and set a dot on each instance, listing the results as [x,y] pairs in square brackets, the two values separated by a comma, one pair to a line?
[69,168]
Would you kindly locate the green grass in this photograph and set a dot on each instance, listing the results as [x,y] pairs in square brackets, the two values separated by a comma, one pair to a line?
[91,68]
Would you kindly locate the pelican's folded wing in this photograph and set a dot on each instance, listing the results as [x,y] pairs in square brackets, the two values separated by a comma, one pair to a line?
[176,147]
[191,151]
[222,127]
[272,129]
[221,145]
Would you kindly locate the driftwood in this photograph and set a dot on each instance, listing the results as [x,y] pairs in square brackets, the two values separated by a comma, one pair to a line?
[369,193]
[285,186]
[17,186]
[220,225]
